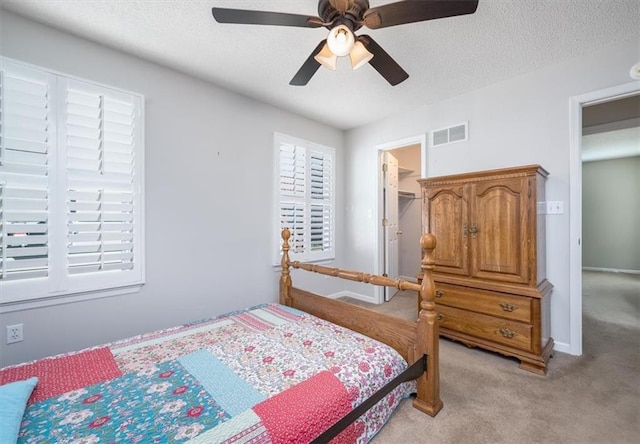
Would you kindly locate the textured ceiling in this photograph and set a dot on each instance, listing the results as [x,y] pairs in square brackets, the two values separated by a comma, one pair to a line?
[444,58]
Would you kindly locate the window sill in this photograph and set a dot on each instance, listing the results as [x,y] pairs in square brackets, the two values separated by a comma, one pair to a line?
[48,301]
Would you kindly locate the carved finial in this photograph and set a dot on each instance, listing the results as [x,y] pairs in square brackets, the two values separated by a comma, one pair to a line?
[286,234]
[428,241]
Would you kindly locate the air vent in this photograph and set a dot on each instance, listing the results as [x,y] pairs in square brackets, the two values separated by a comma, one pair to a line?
[456,133]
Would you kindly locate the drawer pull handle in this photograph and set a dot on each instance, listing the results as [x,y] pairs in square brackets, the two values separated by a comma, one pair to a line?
[439,316]
[509,334]
[506,306]
[439,293]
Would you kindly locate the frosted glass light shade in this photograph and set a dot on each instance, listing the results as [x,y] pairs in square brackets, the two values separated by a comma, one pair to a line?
[341,40]
[634,72]
[359,56]
[326,58]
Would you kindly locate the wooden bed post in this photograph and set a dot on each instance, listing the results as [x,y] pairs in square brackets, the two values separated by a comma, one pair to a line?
[412,339]
[428,397]
[285,277]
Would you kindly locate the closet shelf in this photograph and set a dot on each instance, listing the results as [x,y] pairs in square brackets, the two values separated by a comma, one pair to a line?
[403,170]
[406,195]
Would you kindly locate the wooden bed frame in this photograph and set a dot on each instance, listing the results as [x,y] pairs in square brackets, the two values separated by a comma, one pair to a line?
[412,339]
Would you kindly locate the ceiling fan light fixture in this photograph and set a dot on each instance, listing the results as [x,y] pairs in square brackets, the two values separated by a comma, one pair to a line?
[344,17]
[634,72]
[359,56]
[341,40]
[327,58]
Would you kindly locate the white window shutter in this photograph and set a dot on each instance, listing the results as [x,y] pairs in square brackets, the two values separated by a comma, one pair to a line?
[293,218]
[292,171]
[71,185]
[99,130]
[305,196]
[292,193]
[101,149]
[321,208]
[26,137]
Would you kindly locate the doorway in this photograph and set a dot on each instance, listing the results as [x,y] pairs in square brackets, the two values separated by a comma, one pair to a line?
[578,105]
[400,165]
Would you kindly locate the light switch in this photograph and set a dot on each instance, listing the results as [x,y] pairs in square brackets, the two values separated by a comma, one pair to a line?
[555,207]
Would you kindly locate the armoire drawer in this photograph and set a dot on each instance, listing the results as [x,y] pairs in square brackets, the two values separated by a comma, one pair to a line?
[517,308]
[513,334]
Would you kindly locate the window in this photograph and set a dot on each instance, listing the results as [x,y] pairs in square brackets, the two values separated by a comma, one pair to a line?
[305,174]
[71,163]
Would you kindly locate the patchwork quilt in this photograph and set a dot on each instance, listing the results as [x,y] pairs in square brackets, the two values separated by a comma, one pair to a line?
[268,374]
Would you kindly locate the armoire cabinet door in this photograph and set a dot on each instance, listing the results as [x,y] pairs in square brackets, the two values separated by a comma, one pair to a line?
[445,215]
[498,230]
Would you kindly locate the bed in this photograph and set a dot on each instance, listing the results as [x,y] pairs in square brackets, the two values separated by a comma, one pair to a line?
[305,369]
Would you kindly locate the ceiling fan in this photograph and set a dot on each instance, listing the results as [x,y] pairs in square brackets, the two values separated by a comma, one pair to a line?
[343,18]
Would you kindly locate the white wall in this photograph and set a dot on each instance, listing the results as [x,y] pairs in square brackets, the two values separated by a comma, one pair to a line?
[524,120]
[611,214]
[208,197]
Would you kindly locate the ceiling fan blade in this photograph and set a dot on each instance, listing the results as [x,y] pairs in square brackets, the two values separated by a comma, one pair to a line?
[247,17]
[308,68]
[410,11]
[383,63]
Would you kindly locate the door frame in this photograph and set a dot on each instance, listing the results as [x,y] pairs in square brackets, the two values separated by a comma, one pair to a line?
[421,139]
[576,104]
[391,256]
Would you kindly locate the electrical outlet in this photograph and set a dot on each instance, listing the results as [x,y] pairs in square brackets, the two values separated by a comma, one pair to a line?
[14,333]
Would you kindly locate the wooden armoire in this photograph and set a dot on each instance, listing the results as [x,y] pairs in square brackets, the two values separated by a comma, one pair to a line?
[490,273]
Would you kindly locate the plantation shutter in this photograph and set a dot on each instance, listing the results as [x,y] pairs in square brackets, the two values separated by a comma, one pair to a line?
[100,146]
[305,197]
[26,138]
[321,208]
[71,185]
[293,194]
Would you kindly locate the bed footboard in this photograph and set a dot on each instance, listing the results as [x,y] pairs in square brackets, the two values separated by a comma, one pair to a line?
[412,339]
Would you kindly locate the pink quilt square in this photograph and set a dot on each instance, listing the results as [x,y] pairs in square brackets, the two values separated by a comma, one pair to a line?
[302,412]
[62,374]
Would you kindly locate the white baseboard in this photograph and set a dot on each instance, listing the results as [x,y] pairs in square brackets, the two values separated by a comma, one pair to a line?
[351,294]
[562,347]
[611,270]
[408,278]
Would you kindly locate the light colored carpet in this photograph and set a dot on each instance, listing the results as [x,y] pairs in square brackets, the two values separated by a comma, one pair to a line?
[588,399]
[403,305]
